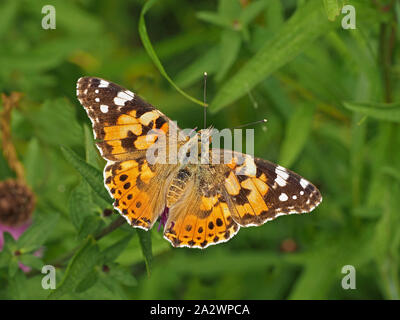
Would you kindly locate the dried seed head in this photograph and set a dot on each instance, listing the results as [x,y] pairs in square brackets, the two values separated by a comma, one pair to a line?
[17,202]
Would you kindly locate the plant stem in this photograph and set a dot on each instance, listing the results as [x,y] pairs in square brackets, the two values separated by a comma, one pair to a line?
[10,154]
[110,228]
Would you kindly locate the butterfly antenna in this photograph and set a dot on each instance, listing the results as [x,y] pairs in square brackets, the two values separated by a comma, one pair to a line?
[251,123]
[205,99]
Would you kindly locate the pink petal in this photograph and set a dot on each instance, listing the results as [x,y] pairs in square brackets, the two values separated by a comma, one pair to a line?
[16,232]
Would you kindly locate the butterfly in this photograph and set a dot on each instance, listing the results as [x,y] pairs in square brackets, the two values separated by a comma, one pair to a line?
[201,204]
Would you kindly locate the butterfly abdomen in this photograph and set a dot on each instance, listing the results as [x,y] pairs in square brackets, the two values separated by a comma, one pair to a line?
[177,186]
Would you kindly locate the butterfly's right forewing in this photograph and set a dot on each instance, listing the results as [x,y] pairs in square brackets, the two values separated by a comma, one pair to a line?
[121,120]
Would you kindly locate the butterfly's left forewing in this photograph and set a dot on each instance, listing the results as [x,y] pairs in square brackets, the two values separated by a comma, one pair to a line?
[121,120]
[122,124]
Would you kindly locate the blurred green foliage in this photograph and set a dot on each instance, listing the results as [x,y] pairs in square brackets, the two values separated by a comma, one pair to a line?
[332,100]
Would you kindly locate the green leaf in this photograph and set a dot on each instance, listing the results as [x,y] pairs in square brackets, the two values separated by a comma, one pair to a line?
[33,163]
[90,149]
[323,264]
[380,111]
[56,123]
[386,244]
[332,9]
[367,212]
[252,11]
[5,257]
[229,50]
[214,18]
[79,268]
[305,26]
[87,282]
[150,51]
[13,266]
[114,286]
[17,285]
[9,242]
[92,175]
[297,133]
[275,15]
[208,62]
[229,9]
[122,276]
[7,252]
[91,224]
[31,261]
[8,12]
[392,172]
[80,204]
[112,252]
[36,235]
[145,244]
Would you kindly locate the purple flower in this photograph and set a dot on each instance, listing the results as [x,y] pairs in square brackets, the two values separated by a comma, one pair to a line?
[17,203]
[16,232]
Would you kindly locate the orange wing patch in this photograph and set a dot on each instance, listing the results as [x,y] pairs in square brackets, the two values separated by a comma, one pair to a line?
[208,222]
[246,198]
[129,184]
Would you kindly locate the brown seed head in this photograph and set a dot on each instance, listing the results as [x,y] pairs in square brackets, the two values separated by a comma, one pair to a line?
[17,202]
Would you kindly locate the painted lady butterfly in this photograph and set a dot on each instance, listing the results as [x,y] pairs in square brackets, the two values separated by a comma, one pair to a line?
[205,203]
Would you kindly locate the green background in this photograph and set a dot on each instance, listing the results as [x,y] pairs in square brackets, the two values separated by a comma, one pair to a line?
[331,97]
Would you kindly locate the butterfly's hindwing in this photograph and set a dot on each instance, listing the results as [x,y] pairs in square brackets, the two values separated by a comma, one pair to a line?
[202,216]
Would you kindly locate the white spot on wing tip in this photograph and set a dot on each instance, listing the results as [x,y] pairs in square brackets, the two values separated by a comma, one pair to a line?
[279,180]
[281,171]
[103,84]
[283,197]
[304,183]
[127,95]
[130,93]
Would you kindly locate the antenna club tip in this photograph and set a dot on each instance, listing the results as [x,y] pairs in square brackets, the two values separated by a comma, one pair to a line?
[264,120]
[205,74]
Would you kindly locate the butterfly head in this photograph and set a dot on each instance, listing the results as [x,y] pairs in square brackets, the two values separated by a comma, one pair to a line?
[205,135]
[199,141]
